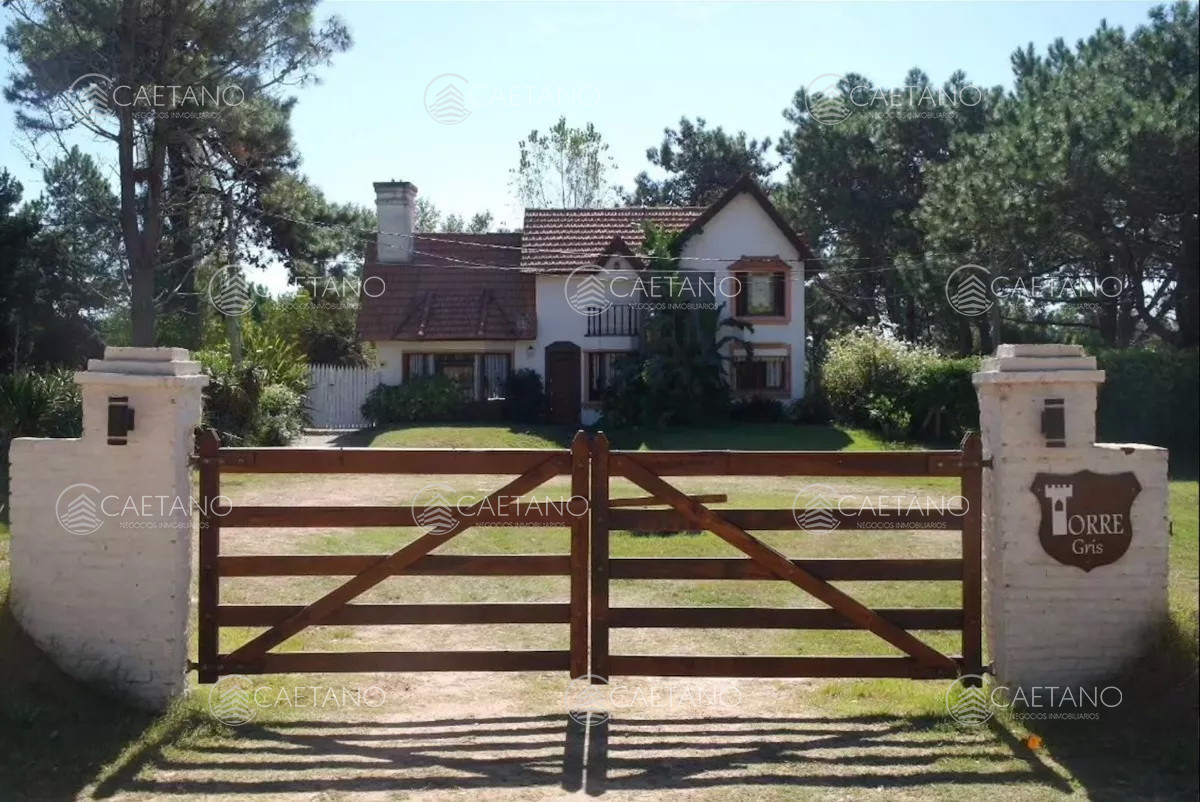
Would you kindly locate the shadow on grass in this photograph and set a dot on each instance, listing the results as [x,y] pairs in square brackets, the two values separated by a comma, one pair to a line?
[514,753]
[55,733]
[743,437]
[1148,746]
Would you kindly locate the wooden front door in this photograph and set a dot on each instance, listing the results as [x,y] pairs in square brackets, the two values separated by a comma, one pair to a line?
[563,382]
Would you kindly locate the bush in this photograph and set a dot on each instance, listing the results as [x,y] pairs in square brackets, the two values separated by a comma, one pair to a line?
[40,405]
[1151,396]
[274,360]
[524,397]
[280,416]
[813,408]
[36,405]
[758,409]
[234,392]
[428,398]
[231,402]
[898,389]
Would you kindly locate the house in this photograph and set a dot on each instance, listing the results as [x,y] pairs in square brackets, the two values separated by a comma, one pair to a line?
[567,295]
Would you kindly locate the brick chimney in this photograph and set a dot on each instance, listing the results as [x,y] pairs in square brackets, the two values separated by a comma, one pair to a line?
[396,208]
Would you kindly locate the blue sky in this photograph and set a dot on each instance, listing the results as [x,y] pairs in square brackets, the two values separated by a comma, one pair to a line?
[630,68]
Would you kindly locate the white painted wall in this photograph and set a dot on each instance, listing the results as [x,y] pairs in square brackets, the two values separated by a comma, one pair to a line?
[741,229]
[109,604]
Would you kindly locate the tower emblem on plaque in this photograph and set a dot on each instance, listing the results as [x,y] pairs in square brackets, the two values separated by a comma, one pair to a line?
[1086,516]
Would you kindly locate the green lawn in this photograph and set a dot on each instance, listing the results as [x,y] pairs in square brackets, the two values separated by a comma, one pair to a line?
[1146,751]
[746,437]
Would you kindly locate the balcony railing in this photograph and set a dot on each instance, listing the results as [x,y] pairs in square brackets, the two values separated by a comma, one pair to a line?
[619,320]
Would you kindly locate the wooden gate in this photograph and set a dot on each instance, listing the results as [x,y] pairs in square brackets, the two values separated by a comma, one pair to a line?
[591,466]
[813,576]
[336,394]
[439,523]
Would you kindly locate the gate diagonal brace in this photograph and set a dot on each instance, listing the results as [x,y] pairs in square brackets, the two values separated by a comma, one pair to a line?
[781,566]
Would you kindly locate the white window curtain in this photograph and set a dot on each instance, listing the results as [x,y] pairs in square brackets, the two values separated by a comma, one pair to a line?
[495,372]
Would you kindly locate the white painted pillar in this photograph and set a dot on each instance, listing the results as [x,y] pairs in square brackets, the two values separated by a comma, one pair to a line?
[1047,622]
[102,531]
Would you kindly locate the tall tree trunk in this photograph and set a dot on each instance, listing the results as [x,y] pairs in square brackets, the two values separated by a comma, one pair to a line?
[183,260]
[142,307]
[1187,284]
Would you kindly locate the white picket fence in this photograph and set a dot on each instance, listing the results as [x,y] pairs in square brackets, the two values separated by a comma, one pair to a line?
[337,393]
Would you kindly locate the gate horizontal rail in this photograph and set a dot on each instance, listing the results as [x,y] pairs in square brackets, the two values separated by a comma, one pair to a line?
[785,520]
[431,565]
[838,568]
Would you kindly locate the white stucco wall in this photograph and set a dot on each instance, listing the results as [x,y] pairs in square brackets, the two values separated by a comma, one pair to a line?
[107,598]
[559,321]
[743,229]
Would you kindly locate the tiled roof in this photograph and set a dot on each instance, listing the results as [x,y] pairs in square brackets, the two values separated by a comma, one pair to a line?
[563,239]
[448,291]
[435,298]
[501,250]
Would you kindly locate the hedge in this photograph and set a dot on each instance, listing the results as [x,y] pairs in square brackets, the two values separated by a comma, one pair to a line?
[907,392]
[1151,396]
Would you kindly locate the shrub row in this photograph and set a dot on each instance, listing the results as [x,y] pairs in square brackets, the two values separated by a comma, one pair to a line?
[898,389]
[440,398]
[1151,396]
[907,392]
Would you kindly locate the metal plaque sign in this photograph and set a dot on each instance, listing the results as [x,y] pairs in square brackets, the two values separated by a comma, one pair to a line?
[1086,516]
